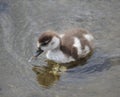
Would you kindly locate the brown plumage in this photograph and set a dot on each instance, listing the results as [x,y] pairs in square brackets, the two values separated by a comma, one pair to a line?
[75,43]
[67,42]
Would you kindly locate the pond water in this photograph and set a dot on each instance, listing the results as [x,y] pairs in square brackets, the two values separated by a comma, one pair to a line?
[22,21]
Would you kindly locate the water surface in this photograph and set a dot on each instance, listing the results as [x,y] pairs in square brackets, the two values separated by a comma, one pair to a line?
[21,21]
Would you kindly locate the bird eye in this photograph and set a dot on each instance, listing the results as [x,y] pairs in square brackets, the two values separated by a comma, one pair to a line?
[45,43]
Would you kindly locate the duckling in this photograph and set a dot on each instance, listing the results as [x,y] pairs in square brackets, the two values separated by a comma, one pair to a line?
[69,46]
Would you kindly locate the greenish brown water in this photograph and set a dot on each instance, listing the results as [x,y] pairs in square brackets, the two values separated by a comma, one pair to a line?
[21,21]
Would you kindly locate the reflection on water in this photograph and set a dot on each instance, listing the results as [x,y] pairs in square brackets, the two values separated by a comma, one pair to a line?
[50,74]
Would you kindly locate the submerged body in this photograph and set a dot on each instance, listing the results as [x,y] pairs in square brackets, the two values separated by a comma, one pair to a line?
[69,46]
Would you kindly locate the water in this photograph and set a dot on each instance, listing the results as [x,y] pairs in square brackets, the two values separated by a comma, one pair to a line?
[22,21]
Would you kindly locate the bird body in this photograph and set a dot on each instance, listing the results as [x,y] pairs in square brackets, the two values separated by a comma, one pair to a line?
[66,47]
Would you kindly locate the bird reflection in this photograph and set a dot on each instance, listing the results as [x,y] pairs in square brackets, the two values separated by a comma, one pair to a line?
[48,75]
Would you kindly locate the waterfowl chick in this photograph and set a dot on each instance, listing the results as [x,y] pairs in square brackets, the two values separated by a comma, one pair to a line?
[70,46]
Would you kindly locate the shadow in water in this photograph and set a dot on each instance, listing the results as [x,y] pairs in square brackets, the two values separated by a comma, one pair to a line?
[48,75]
[100,66]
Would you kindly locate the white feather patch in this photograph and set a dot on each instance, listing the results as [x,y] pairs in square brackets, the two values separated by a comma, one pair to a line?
[87,50]
[58,56]
[89,37]
[78,45]
[61,35]
[38,44]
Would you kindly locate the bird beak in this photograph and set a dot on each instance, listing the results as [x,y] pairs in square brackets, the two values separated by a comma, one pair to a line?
[38,52]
